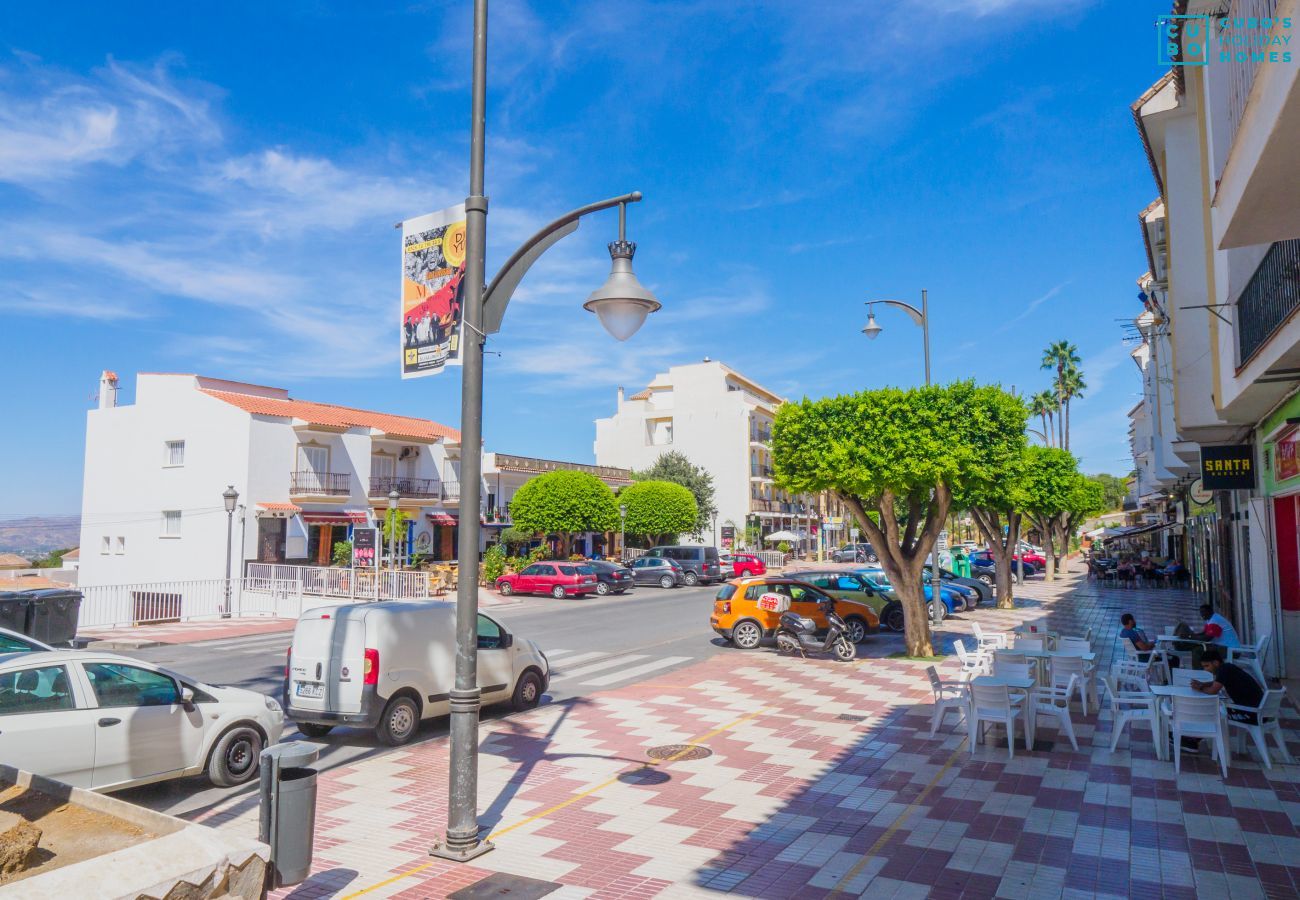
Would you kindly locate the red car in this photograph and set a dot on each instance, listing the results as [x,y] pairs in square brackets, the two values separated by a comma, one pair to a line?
[743,564]
[557,578]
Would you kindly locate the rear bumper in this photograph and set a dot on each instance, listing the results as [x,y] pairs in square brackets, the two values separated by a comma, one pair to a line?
[372,707]
[577,590]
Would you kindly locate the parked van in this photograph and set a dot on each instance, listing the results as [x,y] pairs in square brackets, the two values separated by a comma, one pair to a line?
[388,665]
[701,564]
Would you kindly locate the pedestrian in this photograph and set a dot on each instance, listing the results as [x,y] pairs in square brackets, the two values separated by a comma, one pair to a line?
[1241,687]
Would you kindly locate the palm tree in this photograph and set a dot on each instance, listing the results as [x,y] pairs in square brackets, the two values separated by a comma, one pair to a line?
[1072,387]
[1060,355]
[1043,405]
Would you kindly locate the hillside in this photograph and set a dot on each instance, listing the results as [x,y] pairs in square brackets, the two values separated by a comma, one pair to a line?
[32,536]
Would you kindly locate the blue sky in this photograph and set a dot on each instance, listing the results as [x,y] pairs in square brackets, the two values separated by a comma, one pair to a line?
[212,189]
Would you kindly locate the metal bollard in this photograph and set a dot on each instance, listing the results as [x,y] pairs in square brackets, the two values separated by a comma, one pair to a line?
[288,810]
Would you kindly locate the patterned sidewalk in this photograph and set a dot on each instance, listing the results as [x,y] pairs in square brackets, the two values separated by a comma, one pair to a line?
[821,780]
[182,632]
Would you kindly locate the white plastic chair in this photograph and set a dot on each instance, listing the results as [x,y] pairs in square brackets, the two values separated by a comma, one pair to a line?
[1131,676]
[1055,701]
[1075,645]
[988,641]
[1071,668]
[1197,717]
[947,695]
[1128,706]
[973,663]
[992,704]
[1030,642]
[1268,721]
[1005,668]
[1250,652]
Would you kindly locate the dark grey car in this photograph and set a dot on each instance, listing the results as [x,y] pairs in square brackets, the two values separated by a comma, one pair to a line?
[653,570]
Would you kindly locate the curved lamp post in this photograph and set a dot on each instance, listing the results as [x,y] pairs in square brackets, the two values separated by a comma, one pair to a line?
[621,304]
[229,497]
[622,529]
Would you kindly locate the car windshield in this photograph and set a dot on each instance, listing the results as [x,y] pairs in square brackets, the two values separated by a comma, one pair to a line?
[585,570]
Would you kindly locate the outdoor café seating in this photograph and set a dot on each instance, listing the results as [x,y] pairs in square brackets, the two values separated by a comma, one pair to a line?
[948,695]
[1268,723]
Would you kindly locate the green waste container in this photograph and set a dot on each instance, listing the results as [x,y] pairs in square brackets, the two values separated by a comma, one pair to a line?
[52,616]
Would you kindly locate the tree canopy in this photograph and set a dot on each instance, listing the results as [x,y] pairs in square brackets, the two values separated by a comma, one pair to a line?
[564,503]
[1057,497]
[676,467]
[904,454]
[658,510]
[1113,489]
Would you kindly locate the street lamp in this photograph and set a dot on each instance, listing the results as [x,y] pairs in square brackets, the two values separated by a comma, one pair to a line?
[622,527]
[230,497]
[621,304]
[715,528]
[872,331]
[393,498]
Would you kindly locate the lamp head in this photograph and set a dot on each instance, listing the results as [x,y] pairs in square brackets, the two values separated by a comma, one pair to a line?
[622,509]
[872,330]
[393,497]
[230,497]
[622,302]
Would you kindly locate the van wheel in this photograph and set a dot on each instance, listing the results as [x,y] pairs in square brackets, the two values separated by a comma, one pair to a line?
[857,629]
[312,730]
[504,589]
[666,581]
[399,722]
[528,692]
[747,635]
[234,759]
[692,579]
[557,592]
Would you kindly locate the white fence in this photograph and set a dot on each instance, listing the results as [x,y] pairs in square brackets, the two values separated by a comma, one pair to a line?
[338,583]
[163,601]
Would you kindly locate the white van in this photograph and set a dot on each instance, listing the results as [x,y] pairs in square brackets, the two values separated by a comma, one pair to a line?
[390,664]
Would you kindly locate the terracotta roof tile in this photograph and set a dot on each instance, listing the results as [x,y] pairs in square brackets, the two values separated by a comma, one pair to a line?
[338,416]
[13,561]
[280,507]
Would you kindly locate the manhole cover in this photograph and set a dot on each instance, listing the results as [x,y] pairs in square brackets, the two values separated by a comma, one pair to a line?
[647,777]
[678,752]
[516,887]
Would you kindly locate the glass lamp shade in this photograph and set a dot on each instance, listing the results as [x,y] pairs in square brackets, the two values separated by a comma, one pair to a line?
[230,497]
[872,330]
[621,303]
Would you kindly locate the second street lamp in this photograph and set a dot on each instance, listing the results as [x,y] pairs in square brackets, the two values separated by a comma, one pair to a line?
[621,304]
[229,497]
[622,528]
[393,499]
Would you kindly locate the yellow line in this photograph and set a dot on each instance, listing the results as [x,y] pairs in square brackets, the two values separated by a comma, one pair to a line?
[575,798]
[899,822]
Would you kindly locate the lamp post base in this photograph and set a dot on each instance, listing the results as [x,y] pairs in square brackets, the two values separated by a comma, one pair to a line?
[474,851]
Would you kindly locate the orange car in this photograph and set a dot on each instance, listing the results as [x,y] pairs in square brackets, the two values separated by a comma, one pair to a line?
[737,618]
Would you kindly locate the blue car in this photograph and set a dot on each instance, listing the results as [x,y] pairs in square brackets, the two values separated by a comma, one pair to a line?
[952,601]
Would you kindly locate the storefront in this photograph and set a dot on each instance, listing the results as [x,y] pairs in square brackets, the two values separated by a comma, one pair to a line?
[1280,438]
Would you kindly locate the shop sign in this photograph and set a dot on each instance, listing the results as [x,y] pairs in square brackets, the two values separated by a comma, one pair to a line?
[1228,467]
[365,547]
[1286,463]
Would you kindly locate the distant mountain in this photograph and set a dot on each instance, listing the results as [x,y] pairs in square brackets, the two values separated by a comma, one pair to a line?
[33,536]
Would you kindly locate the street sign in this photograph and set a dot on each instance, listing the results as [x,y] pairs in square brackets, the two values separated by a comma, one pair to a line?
[943,542]
[1228,468]
[365,548]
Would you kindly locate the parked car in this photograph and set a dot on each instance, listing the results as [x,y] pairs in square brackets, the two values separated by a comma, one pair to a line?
[699,564]
[983,592]
[107,722]
[559,579]
[667,573]
[15,642]
[611,578]
[856,553]
[388,666]
[735,565]
[877,578]
[738,618]
[982,567]
[852,586]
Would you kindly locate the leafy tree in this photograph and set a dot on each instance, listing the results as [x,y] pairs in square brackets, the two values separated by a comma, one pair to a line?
[516,538]
[901,454]
[393,529]
[674,466]
[1057,498]
[658,511]
[995,508]
[1113,491]
[1072,386]
[564,503]
[53,561]
[342,554]
[494,564]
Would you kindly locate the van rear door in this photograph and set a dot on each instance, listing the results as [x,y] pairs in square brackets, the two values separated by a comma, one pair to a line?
[327,663]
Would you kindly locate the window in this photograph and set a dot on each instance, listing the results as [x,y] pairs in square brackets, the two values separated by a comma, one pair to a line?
[568,570]
[175,455]
[11,643]
[121,544]
[545,570]
[120,685]
[659,431]
[851,583]
[489,634]
[312,458]
[105,543]
[171,523]
[382,466]
[35,690]
[532,570]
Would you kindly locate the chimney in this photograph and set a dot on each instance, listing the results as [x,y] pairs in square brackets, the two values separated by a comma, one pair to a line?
[620,398]
[107,390]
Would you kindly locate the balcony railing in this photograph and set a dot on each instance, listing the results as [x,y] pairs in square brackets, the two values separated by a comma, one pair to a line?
[1269,299]
[412,488]
[760,471]
[1243,63]
[760,437]
[318,484]
[451,490]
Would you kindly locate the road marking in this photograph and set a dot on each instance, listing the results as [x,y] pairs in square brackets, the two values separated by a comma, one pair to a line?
[281,637]
[638,670]
[574,799]
[600,666]
[581,657]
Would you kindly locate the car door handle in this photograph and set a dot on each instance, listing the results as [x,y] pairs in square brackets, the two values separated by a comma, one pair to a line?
[104,723]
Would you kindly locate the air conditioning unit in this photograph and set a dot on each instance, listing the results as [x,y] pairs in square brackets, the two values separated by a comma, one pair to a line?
[409,452]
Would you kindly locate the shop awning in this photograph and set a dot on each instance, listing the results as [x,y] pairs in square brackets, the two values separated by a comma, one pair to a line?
[279,508]
[438,518]
[335,517]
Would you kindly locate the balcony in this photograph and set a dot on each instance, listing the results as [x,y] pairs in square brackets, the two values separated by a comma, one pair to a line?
[760,437]
[1270,298]
[451,490]
[408,488]
[760,471]
[758,504]
[320,484]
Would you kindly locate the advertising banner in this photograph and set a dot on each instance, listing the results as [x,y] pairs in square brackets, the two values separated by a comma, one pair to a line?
[1286,463]
[433,269]
[365,548]
[1228,468]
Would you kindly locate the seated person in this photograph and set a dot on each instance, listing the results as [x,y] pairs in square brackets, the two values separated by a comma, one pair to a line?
[1138,638]
[1125,571]
[1218,630]
[1240,686]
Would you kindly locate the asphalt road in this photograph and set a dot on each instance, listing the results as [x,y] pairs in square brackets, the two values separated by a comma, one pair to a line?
[593,644]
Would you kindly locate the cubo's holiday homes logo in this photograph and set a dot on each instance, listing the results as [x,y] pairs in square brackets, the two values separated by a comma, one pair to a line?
[1194,40]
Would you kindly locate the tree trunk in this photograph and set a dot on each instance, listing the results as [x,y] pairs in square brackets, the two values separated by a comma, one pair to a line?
[1066,445]
[566,545]
[1046,529]
[1001,546]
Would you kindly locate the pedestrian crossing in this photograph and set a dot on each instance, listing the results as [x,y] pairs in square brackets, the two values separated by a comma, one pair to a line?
[573,667]
[249,644]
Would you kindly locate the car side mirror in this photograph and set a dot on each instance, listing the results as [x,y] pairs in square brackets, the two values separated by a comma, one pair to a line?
[507,640]
[187,699]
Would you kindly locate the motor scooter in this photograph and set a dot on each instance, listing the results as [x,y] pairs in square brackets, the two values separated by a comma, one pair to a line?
[797,633]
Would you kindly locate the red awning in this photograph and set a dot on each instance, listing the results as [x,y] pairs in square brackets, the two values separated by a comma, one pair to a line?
[335,517]
[442,519]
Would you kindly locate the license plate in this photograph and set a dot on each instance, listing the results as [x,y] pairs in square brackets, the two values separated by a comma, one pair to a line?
[311,691]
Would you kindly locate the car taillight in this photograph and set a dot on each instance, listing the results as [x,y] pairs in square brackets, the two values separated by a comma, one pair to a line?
[724,607]
[370,674]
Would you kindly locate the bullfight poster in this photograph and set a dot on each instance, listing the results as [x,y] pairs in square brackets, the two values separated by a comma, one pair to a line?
[433,270]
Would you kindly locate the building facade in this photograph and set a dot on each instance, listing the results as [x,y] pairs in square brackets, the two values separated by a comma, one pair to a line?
[1220,324]
[506,473]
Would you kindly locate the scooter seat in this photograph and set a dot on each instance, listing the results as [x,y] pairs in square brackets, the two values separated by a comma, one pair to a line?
[798,624]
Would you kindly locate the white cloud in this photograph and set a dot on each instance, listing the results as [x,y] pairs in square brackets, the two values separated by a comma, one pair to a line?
[1030,307]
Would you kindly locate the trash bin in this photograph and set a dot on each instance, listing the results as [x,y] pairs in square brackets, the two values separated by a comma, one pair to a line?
[288,810]
[13,611]
[53,615]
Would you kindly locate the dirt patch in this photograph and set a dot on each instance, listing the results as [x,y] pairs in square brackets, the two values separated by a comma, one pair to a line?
[68,833]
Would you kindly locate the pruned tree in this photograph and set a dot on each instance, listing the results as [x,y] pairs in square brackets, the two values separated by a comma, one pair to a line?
[564,503]
[676,467]
[658,511]
[1087,498]
[895,458]
[1053,494]
[995,507]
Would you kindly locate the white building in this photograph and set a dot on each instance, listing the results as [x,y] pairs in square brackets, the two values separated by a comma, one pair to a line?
[722,422]
[306,472]
[504,474]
